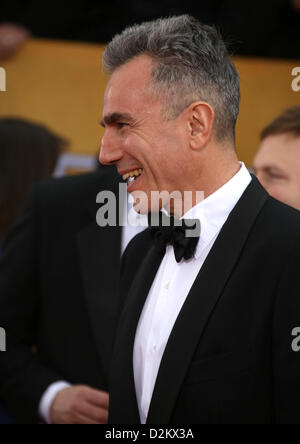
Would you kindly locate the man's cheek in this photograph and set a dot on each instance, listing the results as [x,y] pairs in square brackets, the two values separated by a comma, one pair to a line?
[288,195]
[296,196]
[278,193]
[130,144]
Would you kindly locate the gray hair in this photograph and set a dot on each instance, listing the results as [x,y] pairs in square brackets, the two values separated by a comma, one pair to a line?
[191,63]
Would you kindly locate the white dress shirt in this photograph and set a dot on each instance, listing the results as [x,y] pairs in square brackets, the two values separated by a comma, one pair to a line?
[135,224]
[172,285]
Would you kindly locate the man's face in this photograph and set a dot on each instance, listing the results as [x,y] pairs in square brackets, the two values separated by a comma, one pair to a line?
[277,165]
[137,138]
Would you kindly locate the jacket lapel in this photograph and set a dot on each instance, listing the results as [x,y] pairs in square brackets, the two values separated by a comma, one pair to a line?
[122,368]
[201,301]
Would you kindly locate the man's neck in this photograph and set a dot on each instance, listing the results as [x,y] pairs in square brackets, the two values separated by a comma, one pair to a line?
[205,186]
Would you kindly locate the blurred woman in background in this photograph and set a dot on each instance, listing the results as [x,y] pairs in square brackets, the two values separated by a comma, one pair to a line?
[28,153]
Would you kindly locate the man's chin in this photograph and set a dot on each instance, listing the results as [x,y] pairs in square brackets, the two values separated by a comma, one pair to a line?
[145,203]
[141,207]
[144,207]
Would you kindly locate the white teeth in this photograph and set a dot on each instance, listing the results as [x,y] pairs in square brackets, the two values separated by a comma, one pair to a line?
[132,174]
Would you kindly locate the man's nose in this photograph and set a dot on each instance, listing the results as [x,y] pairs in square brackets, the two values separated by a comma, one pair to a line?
[110,153]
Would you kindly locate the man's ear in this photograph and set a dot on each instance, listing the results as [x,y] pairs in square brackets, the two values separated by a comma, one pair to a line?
[201,119]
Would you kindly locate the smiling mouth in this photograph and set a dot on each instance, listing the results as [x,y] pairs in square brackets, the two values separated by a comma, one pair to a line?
[132,176]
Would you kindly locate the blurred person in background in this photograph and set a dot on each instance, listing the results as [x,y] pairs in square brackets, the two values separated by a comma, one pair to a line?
[58,286]
[28,152]
[12,39]
[277,163]
[296,5]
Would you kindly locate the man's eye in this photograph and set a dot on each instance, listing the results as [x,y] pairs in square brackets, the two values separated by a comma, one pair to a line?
[122,124]
[274,176]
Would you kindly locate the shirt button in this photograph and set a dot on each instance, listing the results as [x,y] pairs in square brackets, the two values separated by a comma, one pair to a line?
[154,348]
[167,286]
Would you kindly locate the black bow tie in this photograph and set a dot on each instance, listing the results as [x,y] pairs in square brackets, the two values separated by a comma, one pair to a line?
[182,234]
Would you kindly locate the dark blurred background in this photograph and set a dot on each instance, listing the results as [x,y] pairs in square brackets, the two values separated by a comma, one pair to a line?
[268,28]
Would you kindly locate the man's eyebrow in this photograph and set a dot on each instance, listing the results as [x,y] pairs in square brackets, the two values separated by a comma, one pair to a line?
[269,167]
[115,117]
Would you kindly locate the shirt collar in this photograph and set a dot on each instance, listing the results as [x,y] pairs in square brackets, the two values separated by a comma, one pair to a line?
[215,209]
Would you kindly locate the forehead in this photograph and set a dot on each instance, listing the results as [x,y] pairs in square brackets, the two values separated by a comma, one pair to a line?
[280,149]
[128,87]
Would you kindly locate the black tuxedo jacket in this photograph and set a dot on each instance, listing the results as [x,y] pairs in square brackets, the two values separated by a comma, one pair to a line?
[229,358]
[58,284]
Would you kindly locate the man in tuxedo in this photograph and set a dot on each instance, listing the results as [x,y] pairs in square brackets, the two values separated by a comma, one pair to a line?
[209,327]
[58,285]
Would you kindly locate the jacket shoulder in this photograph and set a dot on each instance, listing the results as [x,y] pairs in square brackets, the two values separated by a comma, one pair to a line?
[78,186]
[281,218]
[74,193]
[277,230]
